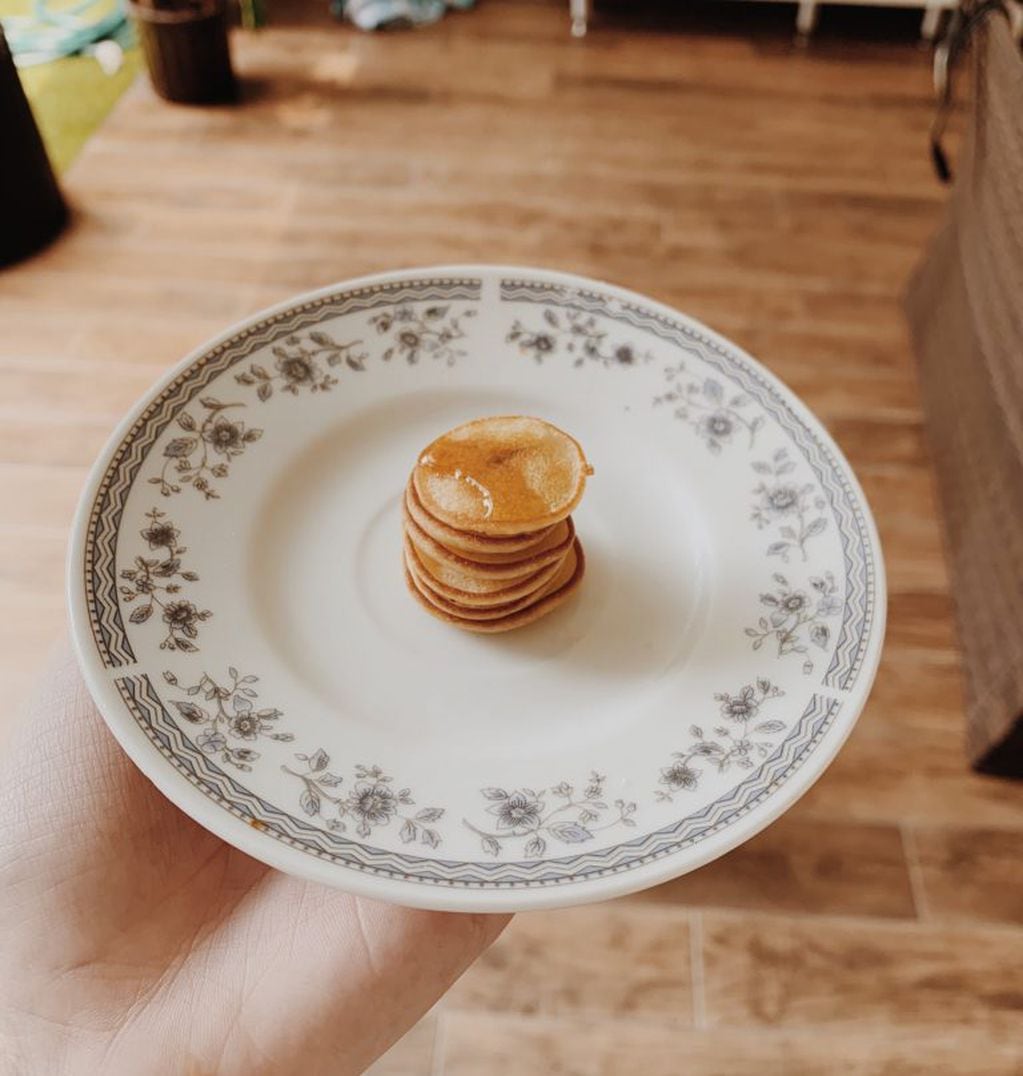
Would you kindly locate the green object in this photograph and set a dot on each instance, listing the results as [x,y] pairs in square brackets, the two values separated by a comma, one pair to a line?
[71,97]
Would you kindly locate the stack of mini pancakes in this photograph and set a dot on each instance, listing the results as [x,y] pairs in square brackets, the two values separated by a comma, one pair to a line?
[489,542]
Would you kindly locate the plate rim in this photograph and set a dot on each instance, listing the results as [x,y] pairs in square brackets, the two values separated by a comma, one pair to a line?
[415,893]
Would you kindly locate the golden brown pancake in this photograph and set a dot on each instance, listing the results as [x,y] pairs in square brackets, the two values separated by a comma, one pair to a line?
[469,612]
[544,605]
[551,549]
[505,591]
[508,475]
[466,542]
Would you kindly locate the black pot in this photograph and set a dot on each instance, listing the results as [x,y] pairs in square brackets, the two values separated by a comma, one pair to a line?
[187,51]
[32,210]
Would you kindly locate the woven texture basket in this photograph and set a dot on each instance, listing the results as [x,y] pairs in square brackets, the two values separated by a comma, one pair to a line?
[965,307]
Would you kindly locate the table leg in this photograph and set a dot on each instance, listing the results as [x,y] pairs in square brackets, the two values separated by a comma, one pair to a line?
[931,22]
[580,10]
[1016,20]
[806,18]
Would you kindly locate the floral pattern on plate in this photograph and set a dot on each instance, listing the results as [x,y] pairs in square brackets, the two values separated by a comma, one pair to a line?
[302,362]
[733,743]
[719,416]
[791,505]
[204,450]
[155,583]
[797,618]
[579,335]
[370,802]
[528,820]
[433,332]
[225,712]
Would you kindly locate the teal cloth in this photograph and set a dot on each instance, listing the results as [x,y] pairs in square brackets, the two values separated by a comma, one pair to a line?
[379,14]
[48,34]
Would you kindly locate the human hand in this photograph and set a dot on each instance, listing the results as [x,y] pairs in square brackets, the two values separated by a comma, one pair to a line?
[134,941]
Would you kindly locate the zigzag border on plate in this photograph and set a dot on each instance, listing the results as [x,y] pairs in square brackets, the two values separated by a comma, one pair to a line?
[156,722]
[108,505]
[860,571]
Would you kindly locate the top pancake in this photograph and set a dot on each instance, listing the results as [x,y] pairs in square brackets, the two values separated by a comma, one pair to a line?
[508,475]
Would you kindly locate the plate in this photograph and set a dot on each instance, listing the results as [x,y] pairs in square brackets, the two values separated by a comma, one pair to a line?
[239,607]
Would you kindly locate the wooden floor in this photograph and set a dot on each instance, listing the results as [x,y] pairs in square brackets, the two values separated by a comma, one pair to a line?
[780,195]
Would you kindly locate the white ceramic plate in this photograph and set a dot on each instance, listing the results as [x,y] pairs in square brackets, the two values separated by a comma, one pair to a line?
[240,611]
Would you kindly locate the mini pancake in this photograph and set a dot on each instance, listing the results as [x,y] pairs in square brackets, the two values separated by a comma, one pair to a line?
[508,475]
[441,572]
[465,542]
[551,549]
[468,612]
[531,613]
[506,592]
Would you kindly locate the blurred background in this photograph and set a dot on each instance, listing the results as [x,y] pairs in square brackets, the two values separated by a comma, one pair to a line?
[764,167]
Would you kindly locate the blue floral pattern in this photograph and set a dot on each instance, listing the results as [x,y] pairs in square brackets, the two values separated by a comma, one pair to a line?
[790,505]
[720,418]
[796,619]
